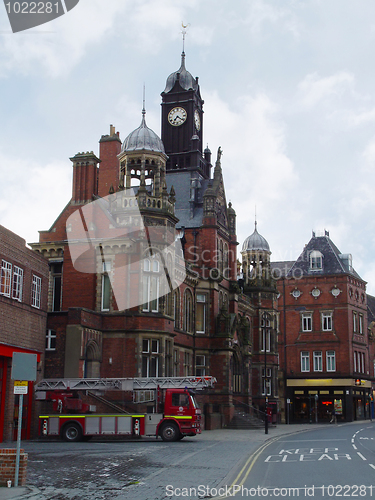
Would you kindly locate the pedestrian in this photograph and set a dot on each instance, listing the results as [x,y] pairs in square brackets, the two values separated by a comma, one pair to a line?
[333,417]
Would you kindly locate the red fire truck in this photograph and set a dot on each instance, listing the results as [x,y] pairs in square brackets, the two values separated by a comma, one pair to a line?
[173,413]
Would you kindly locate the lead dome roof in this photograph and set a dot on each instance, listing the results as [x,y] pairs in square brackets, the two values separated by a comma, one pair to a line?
[143,138]
[256,242]
[185,79]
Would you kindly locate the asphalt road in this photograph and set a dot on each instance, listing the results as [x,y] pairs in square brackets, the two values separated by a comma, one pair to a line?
[206,466]
[327,462]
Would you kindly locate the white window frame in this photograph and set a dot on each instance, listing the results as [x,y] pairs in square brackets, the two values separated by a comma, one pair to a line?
[150,353]
[267,382]
[305,361]
[17,283]
[316,260]
[331,361]
[327,321]
[200,365]
[307,322]
[355,361]
[202,303]
[50,337]
[6,278]
[36,291]
[318,361]
[360,324]
[354,322]
[151,284]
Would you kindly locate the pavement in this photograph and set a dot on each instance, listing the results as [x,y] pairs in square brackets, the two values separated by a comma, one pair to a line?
[213,459]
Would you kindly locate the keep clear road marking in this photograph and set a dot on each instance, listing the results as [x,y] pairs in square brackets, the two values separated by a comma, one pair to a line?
[307,455]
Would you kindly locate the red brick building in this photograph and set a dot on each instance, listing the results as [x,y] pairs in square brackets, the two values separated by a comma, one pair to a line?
[23,310]
[324,345]
[203,326]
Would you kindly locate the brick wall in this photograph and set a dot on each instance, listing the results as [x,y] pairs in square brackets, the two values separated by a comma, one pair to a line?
[8,467]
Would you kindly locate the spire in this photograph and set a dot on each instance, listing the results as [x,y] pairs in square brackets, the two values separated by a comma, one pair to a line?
[144,107]
[256,218]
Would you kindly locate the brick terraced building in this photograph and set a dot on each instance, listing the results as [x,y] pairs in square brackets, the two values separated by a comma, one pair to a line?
[23,311]
[325,347]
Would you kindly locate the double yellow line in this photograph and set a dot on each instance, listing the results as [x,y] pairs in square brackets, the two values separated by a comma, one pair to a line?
[246,469]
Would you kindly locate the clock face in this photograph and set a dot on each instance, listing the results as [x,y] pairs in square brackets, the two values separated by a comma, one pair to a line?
[197,120]
[177,116]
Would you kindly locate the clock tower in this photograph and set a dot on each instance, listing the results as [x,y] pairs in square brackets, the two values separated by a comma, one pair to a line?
[182,123]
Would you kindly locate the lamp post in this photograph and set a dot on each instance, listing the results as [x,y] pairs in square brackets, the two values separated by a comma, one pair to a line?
[265,386]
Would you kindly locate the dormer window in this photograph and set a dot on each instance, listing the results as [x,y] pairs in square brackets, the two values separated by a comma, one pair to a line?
[316,261]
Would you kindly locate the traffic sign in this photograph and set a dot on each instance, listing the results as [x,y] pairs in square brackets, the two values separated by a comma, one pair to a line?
[20,386]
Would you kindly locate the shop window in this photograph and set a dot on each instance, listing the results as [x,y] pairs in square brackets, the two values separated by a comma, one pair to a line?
[305,361]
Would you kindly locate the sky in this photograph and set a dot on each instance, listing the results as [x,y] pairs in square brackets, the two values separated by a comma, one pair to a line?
[289,91]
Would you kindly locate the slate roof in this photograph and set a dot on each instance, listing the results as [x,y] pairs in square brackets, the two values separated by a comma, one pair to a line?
[281,268]
[190,214]
[334,261]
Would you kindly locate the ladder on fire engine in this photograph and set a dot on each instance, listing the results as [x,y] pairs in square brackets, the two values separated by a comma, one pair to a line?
[124,384]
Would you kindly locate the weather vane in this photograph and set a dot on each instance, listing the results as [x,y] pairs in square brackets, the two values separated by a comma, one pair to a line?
[184,32]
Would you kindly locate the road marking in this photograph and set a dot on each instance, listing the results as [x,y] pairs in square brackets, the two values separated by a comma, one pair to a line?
[354,446]
[360,455]
[373,466]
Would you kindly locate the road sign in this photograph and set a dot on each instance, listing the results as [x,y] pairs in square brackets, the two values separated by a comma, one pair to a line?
[24,366]
[20,386]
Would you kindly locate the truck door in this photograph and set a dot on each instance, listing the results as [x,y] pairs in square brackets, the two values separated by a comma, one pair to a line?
[180,404]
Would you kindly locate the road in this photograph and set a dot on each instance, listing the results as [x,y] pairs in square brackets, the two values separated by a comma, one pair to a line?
[327,462]
[340,457]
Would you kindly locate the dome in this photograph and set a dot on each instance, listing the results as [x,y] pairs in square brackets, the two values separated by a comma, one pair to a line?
[256,242]
[186,80]
[143,138]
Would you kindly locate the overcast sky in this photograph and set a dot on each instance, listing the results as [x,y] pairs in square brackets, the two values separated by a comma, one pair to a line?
[289,90]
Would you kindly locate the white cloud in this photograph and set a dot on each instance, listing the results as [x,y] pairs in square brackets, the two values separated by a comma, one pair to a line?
[314,89]
[34,200]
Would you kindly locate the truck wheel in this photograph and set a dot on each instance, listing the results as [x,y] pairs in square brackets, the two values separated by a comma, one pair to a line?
[170,432]
[72,432]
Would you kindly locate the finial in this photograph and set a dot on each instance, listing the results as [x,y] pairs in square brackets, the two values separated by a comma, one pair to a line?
[256,218]
[144,100]
[184,32]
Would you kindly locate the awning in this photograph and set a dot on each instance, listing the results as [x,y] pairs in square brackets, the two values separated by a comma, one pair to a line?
[7,350]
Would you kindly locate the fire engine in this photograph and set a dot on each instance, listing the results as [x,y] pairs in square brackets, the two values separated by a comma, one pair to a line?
[173,414]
